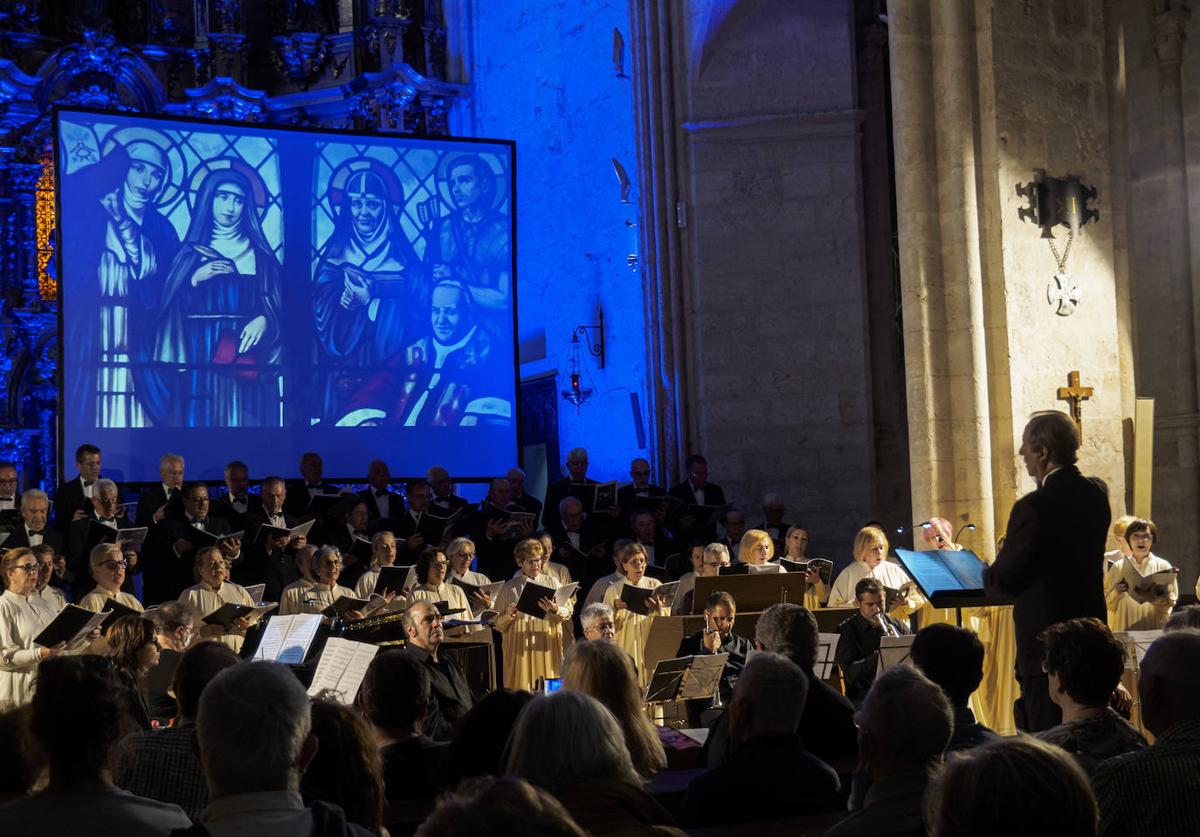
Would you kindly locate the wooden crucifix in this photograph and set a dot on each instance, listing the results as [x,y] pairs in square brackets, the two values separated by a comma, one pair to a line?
[1076,395]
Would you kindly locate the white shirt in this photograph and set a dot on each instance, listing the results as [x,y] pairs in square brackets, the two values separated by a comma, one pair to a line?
[8,503]
[35,538]
[21,619]
[87,489]
[52,597]
[383,502]
[888,574]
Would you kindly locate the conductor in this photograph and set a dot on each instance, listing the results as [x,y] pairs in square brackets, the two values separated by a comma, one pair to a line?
[1050,561]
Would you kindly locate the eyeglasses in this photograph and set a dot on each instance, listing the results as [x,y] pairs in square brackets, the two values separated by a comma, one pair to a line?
[115,565]
[714,564]
[26,568]
[601,627]
[439,564]
[532,560]
[638,563]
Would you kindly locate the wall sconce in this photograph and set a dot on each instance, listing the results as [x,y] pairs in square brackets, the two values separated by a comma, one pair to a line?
[577,393]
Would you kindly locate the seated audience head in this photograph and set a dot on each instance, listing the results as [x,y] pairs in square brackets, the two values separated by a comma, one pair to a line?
[869,598]
[499,807]
[548,750]
[312,467]
[870,546]
[1170,681]
[571,512]
[1184,618]
[274,492]
[712,559]
[35,509]
[253,730]
[577,464]
[481,737]
[304,560]
[1141,535]
[21,760]
[633,561]
[211,567]
[1118,529]
[20,569]
[197,667]
[237,478]
[905,723]
[598,621]
[347,769]
[395,693]
[325,565]
[1083,661]
[1050,439]
[170,470]
[952,657]
[173,621]
[734,523]
[605,671]
[87,460]
[1012,786]
[789,630]
[132,645]
[530,557]
[720,611]
[697,470]
[796,542]
[423,625]
[768,698]
[108,566]
[106,499]
[773,509]
[756,547]
[431,566]
[418,494]
[461,553]
[383,549]
[79,713]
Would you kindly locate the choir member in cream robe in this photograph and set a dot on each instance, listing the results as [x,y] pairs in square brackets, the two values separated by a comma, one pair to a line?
[108,566]
[23,615]
[1124,613]
[533,647]
[293,594]
[870,554]
[432,568]
[553,568]
[383,554]
[213,592]
[634,628]
[756,550]
[1123,550]
[706,561]
[461,554]
[796,544]
[325,564]
[50,595]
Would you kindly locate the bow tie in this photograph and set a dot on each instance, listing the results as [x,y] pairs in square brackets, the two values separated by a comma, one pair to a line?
[200,521]
[241,500]
[380,493]
[360,533]
[88,483]
[107,519]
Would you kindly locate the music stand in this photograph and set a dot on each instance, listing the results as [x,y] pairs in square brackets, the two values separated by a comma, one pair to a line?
[949,578]
[893,651]
[686,678]
[751,592]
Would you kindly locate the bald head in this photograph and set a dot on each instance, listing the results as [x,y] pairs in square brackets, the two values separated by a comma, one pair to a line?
[1170,681]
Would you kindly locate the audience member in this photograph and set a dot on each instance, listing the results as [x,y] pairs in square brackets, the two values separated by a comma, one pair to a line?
[481,737]
[1084,663]
[79,713]
[254,732]
[163,764]
[448,683]
[952,657]
[597,622]
[1011,786]
[605,672]
[857,651]
[500,807]
[173,628]
[768,769]
[904,726]
[592,775]
[1153,791]
[1184,618]
[21,760]
[133,649]
[347,770]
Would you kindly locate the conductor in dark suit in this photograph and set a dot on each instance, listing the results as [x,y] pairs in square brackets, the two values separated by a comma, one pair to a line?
[1050,563]
[73,495]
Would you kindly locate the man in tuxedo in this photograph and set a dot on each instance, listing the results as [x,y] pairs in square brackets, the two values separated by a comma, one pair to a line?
[159,501]
[270,560]
[348,526]
[658,546]
[526,502]
[71,497]
[403,523]
[105,509]
[300,492]
[581,545]
[237,501]
[1050,563]
[169,570]
[10,501]
[734,524]
[633,496]
[577,465]
[382,502]
[493,537]
[32,530]
[443,490]
[773,523]
[697,490]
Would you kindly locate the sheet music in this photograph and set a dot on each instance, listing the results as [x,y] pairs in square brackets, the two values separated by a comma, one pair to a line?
[341,670]
[563,594]
[287,638]
[826,648]
[894,651]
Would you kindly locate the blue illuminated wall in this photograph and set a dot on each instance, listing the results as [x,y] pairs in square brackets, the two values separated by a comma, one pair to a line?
[542,73]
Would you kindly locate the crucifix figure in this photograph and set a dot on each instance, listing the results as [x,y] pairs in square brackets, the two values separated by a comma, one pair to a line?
[1076,395]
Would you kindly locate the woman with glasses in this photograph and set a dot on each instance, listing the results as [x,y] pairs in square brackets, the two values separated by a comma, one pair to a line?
[432,569]
[707,560]
[533,646]
[133,649]
[1124,612]
[22,617]
[325,564]
[633,628]
[172,622]
[108,566]
[214,591]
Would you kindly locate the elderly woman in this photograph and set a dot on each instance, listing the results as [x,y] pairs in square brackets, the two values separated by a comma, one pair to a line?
[325,565]
[533,646]
[23,615]
[383,554]
[133,649]
[756,550]
[214,591]
[795,542]
[108,565]
[1124,613]
[598,622]
[432,586]
[634,628]
[870,561]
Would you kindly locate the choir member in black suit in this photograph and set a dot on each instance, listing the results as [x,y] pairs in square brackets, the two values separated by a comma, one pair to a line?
[1051,559]
[32,530]
[526,502]
[382,502]
[73,495]
[698,490]
[103,509]
[300,492]
[237,501]
[349,525]
[404,524]
[734,524]
[160,501]
[169,559]
[495,540]
[443,490]
[633,496]
[575,535]
[577,465]
[272,561]
[659,547]
[10,500]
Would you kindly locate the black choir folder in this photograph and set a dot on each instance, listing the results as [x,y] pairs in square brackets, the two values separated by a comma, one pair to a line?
[529,601]
[72,624]
[948,578]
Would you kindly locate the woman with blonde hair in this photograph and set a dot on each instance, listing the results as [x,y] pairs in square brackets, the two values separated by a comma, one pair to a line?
[1124,612]
[605,672]
[533,646]
[870,561]
[108,565]
[756,551]
[633,628]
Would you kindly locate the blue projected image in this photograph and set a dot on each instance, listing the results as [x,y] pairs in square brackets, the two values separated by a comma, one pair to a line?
[233,290]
